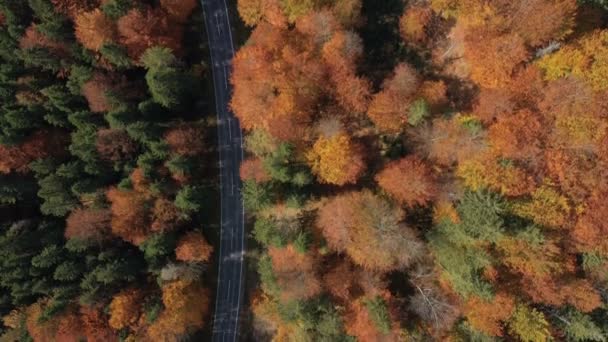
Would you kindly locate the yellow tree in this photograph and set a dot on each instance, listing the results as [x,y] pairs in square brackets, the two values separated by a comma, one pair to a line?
[336,160]
[529,325]
[186,307]
[125,309]
[586,58]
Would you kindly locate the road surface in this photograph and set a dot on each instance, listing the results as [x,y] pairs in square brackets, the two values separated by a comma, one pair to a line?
[232,235]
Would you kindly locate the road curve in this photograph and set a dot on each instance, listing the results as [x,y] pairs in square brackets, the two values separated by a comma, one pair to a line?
[232,236]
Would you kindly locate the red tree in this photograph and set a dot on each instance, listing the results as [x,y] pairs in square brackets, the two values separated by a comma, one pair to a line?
[141,29]
[88,224]
[409,180]
[253,169]
[186,140]
[115,145]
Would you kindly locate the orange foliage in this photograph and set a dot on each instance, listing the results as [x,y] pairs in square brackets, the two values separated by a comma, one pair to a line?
[178,10]
[295,273]
[96,92]
[493,58]
[341,53]
[125,309]
[413,22]
[65,326]
[253,169]
[186,140]
[358,323]
[369,230]
[409,180]
[88,224]
[336,160]
[340,280]
[486,316]
[72,8]
[115,145]
[129,214]
[141,29]
[69,326]
[186,306]
[582,295]
[95,325]
[448,141]
[276,82]
[517,136]
[94,29]
[193,247]
[578,173]
[493,103]
[592,225]
[32,38]
[389,108]
[41,144]
[541,21]
[435,93]
[165,216]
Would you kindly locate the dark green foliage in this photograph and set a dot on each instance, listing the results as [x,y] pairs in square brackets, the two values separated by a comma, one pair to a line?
[117,55]
[56,195]
[481,215]
[181,165]
[157,248]
[190,199]
[78,76]
[41,93]
[17,15]
[267,279]
[378,311]
[419,111]
[42,58]
[256,196]
[117,8]
[316,319]
[580,327]
[168,85]
[266,233]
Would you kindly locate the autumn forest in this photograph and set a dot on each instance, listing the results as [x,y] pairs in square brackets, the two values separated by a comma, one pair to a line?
[415,170]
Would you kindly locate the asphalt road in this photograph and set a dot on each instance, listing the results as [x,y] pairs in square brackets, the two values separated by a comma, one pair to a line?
[232,242]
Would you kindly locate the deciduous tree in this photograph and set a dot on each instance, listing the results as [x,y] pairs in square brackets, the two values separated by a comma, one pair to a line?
[186,307]
[336,160]
[409,180]
[193,247]
[369,229]
[88,224]
[125,309]
[93,29]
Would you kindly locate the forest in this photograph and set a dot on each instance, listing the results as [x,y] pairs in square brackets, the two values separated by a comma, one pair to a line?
[426,170]
[106,170]
[416,170]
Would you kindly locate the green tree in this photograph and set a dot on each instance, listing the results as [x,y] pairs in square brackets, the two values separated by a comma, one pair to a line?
[157,249]
[378,311]
[256,196]
[190,199]
[580,327]
[117,55]
[168,85]
[419,111]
